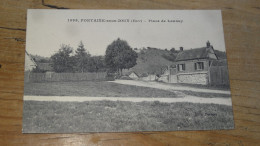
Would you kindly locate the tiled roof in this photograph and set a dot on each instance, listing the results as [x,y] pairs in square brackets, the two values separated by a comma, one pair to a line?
[198,53]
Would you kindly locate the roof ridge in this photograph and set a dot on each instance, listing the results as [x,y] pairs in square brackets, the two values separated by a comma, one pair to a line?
[196,53]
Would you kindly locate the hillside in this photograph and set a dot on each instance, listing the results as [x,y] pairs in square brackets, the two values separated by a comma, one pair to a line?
[152,60]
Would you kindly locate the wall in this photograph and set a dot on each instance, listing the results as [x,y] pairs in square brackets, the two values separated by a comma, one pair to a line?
[173,79]
[149,78]
[190,75]
[193,78]
[217,75]
[164,78]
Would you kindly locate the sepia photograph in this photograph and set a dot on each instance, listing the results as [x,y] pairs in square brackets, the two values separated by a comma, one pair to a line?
[125,71]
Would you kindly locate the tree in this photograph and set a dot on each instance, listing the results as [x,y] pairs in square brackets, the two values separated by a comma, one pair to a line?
[38,70]
[82,57]
[62,60]
[43,60]
[96,64]
[172,50]
[119,55]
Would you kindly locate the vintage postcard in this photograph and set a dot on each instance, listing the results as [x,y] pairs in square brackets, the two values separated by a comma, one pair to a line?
[125,71]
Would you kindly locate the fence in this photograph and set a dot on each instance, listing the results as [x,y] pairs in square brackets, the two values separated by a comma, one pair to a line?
[218,75]
[55,77]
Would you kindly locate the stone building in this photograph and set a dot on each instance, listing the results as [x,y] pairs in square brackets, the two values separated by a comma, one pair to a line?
[192,65]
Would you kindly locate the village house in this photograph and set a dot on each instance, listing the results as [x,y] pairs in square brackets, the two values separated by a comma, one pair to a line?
[192,65]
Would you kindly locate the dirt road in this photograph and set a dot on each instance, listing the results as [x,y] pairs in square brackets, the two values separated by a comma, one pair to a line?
[191,99]
[168,86]
[172,88]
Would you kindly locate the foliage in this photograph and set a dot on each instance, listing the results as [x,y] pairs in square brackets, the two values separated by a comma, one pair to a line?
[40,59]
[173,50]
[43,60]
[82,57]
[119,55]
[38,70]
[96,64]
[62,60]
[82,61]
[170,56]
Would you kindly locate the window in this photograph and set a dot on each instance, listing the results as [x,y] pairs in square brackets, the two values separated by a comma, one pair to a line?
[181,67]
[199,65]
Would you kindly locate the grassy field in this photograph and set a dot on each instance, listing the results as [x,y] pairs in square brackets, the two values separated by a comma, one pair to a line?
[118,116]
[94,89]
[105,89]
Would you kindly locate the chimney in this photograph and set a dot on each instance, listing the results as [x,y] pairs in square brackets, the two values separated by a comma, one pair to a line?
[181,48]
[208,44]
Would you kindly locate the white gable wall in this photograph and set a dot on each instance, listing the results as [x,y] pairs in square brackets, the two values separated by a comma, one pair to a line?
[133,76]
[29,63]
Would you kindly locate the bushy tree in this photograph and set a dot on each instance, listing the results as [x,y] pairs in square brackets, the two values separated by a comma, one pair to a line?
[62,60]
[119,55]
[96,64]
[38,70]
[172,50]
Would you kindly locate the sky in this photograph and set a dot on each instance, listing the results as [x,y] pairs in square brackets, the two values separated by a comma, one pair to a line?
[48,29]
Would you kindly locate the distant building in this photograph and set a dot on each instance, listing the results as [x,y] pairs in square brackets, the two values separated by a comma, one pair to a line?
[133,75]
[29,62]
